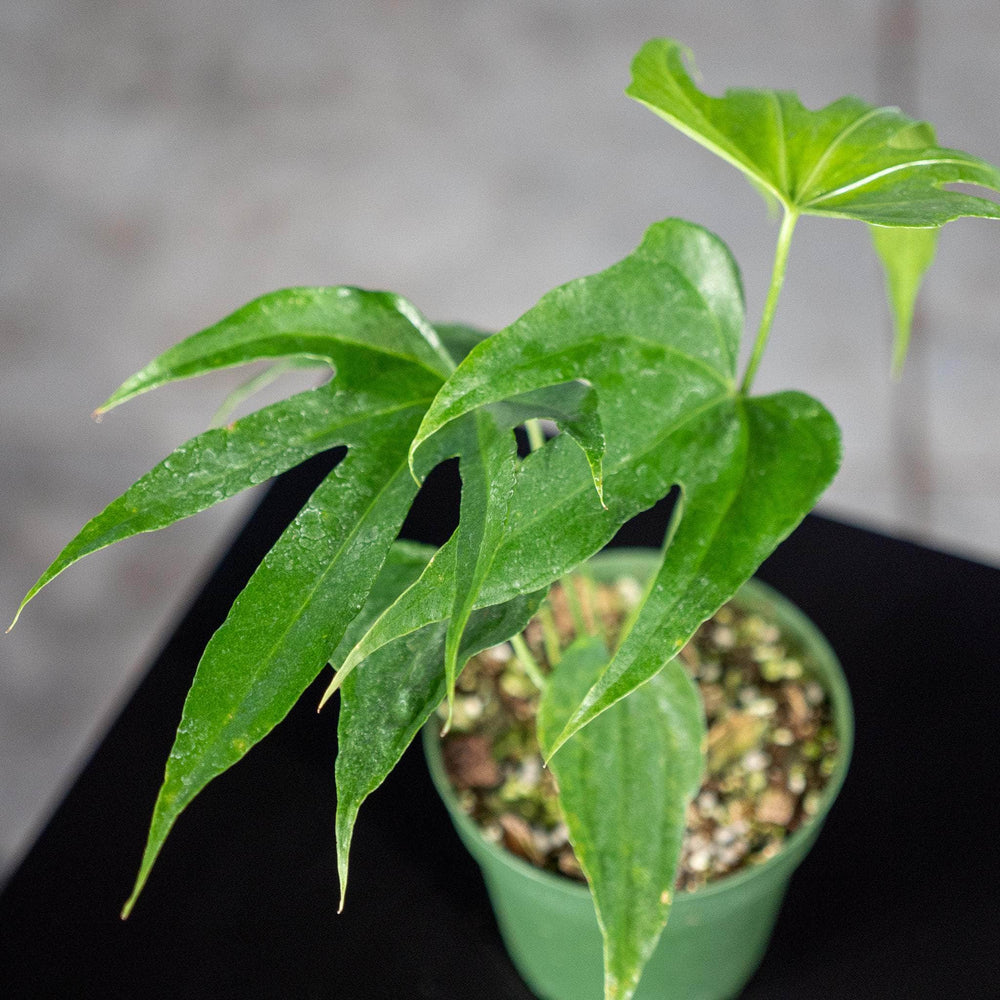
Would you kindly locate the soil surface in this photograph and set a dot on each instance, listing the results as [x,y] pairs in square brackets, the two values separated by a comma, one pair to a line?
[771,741]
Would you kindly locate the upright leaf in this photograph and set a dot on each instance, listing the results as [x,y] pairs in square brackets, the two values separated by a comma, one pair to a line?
[850,159]
[624,803]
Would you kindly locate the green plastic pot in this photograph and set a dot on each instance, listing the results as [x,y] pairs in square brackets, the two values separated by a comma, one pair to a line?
[716,936]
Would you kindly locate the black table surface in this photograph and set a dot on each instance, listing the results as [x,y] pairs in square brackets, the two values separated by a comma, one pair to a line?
[899,898]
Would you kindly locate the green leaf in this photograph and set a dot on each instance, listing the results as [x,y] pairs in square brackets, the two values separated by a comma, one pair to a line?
[656,336]
[488,466]
[224,461]
[290,617]
[316,324]
[655,339]
[848,160]
[906,254]
[384,705]
[624,786]
[747,479]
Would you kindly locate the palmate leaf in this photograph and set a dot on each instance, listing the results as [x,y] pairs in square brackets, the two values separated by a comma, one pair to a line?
[627,839]
[653,341]
[849,160]
[489,471]
[739,500]
[284,625]
[656,336]
[388,363]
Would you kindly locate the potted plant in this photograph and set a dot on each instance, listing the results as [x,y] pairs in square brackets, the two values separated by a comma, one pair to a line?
[637,367]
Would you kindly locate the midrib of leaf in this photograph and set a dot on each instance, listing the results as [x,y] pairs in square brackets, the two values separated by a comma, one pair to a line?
[614,672]
[525,526]
[458,407]
[118,530]
[780,140]
[707,136]
[837,140]
[171,803]
[695,413]
[333,563]
[879,174]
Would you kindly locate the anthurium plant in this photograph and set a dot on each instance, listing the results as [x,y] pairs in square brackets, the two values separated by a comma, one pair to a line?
[636,368]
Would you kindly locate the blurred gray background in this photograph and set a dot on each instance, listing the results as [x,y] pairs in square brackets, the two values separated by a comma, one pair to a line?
[163,162]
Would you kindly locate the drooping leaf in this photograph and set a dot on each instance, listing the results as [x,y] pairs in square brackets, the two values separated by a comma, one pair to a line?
[742,494]
[315,324]
[624,786]
[906,254]
[290,617]
[849,160]
[224,461]
[385,704]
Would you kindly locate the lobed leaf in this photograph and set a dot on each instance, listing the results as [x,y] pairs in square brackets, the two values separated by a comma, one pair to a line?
[624,805]
[488,467]
[288,620]
[316,324]
[652,341]
[747,480]
[849,160]
[224,461]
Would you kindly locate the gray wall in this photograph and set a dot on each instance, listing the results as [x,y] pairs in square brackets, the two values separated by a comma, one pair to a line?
[162,163]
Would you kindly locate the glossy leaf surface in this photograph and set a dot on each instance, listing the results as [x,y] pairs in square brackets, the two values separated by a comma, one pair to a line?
[226,460]
[316,324]
[656,336]
[849,160]
[287,621]
[488,467]
[384,705]
[624,786]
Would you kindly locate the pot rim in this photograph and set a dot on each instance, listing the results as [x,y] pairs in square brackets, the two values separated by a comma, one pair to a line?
[832,677]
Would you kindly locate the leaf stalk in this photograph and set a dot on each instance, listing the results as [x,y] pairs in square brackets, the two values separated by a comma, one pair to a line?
[788,221]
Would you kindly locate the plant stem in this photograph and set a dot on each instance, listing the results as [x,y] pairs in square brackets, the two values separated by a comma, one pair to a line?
[771,304]
[530,664]
[536,436]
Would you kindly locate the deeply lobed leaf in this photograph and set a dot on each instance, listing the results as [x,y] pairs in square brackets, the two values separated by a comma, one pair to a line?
[850,159]
[316,324]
